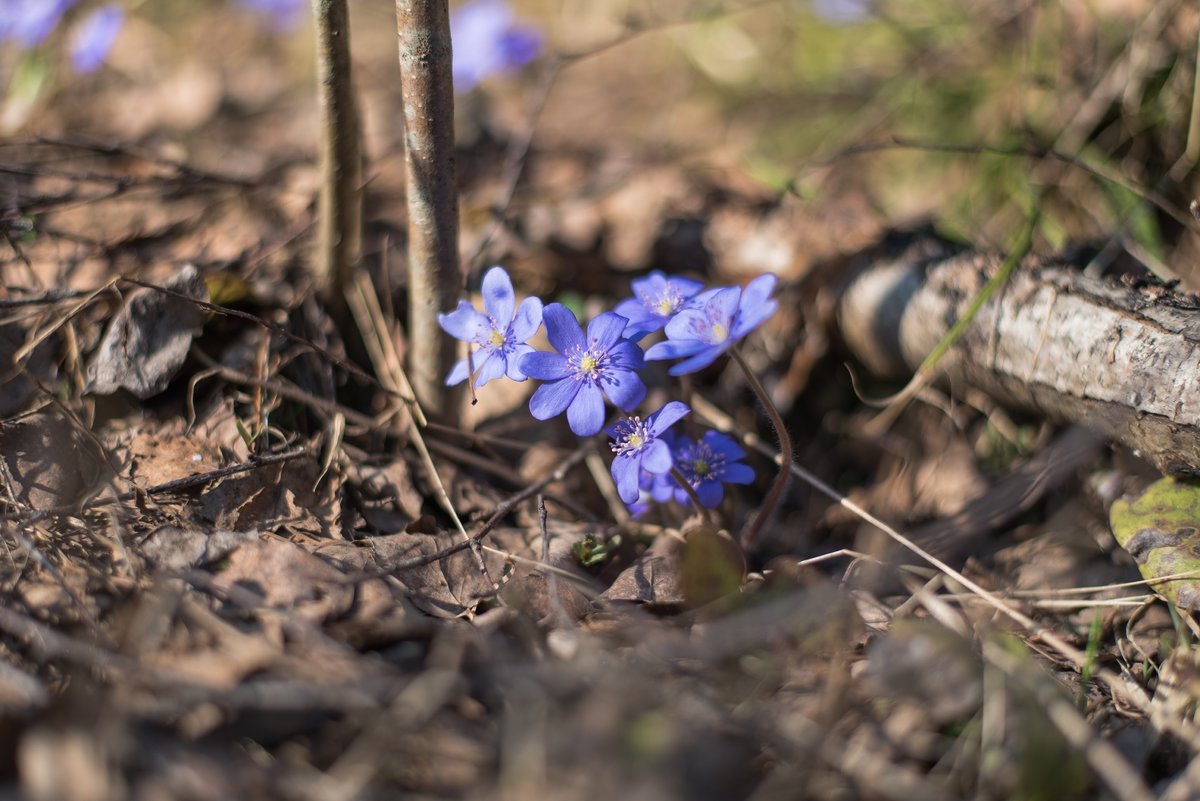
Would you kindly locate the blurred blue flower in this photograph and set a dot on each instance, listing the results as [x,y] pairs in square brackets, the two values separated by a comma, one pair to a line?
[582,368]
[639,446]
[282,16]
[486,41]
[27,23]
[706,329]
[93,37]
[842,12]
[500,334]
[656,299]
[708,465]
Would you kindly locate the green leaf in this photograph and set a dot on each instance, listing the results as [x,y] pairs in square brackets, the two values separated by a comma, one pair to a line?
[1161,530]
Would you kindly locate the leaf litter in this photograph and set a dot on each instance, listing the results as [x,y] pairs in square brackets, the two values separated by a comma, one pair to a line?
[177,631]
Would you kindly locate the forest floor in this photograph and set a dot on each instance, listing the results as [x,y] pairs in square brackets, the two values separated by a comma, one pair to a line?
[240,581]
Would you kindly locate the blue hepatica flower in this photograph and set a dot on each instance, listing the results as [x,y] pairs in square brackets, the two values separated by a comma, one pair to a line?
[708,465]
[708,328]
[656,299]
[639,446]
[281,16]
[582,368]
[499,334]
[486,41]
[93,38]
[27,23]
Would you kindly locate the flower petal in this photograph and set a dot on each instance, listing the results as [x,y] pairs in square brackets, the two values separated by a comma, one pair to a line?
[724,445]
[586,413]
[737,473]
[623,387]
[544,366]
[701,360]
[625,475]
[527,320]
[562,328]
[498,297]
[686,287]
[494,365]
[465,323]
[666,417]
[656,458]
[674,348]
[552,399]
[604,330]
[458,373]
[514,356]
[710,493]
[627,355]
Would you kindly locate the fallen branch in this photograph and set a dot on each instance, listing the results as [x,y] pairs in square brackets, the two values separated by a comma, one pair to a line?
[1124,360]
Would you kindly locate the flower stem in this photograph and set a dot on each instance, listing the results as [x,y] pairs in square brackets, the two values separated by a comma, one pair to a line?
[691,493]
[775,495]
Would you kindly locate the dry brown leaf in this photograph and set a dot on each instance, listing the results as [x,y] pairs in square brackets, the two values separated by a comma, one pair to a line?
[276,494]
[47,461]
[179,549]
[149,338]
[286,576]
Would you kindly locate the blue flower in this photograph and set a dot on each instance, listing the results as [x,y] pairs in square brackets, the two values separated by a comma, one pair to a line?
[27,23]
[582,368]
[499,334]
[656,299]
[713,323]
[282,16]
[93,38]
[639,446]
[708,465]
[485,41]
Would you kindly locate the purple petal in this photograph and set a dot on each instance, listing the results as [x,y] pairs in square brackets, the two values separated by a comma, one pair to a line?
[514,356]
[498,297]
[627,355]
[552,399]
[458,373]
[724,445]
[750,318]
[686,287]
[701,360]
[737,473]
[464,323]
[585,415]
[520,45]
[674,348]
[605,330]
[711,493]
[624,388]
[689,324]
[625,468]
[527,321]
[544,366]
[494,365]
[93,38]
[562,328]
[666,417]
[656,458]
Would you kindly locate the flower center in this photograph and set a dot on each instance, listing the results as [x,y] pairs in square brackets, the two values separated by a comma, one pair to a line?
[587,364]
[719,332]
[496,338]
[632,436]
[700,463]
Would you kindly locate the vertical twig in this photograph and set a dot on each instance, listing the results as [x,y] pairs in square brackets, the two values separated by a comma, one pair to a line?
[339,221]
[435,279]
[775,494]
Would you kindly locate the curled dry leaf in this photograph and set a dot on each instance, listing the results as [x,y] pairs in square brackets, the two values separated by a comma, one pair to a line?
[149,338]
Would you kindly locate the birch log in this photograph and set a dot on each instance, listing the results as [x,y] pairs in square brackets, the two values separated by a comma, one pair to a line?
[1120,358]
